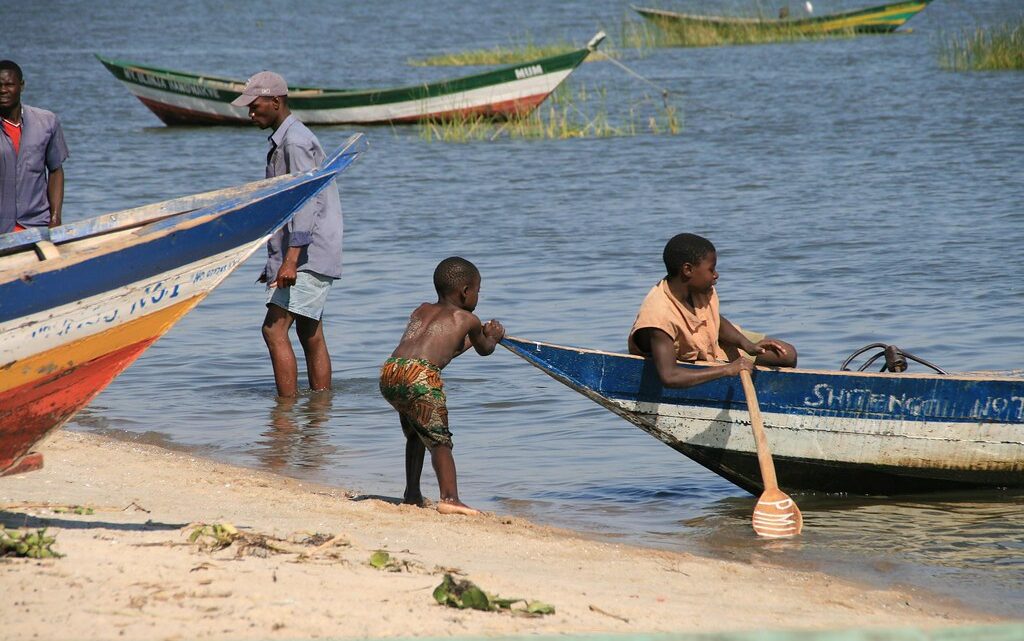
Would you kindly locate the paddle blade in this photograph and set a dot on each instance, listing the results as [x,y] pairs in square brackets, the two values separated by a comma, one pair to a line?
[776,516]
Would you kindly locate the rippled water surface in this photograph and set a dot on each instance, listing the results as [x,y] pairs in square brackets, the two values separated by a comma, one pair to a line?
[855,191]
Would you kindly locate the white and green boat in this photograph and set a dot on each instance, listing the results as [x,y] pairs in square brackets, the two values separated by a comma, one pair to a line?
[181,98]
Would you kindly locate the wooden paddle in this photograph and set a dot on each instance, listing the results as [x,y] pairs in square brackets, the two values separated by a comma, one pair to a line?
[776,515]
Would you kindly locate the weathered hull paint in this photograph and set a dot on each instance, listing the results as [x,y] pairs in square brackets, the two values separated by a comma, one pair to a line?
[33,410]
[112,285]
[829,431]
[181,98]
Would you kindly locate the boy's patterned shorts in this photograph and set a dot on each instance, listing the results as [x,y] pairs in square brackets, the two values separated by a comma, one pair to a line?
[414,387]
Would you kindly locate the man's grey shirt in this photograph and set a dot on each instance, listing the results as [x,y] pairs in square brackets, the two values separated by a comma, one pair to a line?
[317,227]
[24,175]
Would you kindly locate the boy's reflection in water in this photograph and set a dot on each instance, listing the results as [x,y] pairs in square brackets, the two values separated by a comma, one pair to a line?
[296,436]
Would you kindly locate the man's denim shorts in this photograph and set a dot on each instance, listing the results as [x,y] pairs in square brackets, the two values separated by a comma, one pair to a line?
[306,297]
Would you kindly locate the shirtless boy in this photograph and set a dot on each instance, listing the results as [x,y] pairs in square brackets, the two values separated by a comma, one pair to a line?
[679,321]
[411,379]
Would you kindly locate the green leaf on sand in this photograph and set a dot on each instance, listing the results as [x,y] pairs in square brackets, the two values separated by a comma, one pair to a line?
[466,594]
[475,598]
[539,607]
[379,559]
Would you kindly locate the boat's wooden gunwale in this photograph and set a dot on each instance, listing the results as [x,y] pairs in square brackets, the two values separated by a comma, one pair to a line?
[125,219]
[364,96]
[969,376]
[310,98]
[115,239]
[143,223]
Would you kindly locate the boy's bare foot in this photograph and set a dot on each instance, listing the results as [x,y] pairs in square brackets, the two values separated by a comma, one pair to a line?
[455,507]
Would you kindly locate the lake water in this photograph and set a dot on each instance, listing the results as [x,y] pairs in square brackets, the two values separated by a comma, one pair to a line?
[855,191]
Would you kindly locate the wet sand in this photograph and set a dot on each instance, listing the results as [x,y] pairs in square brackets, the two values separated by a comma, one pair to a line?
[129,570]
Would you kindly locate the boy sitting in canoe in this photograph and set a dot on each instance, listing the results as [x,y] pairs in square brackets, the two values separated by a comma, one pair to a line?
[411,379]
[679,321]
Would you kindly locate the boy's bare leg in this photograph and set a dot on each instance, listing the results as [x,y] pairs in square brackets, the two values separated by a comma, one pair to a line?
[276,324]
[444,467]
[314,346]
[414,452]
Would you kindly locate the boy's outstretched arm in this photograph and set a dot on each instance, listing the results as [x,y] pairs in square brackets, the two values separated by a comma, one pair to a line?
[485,337]
[769,351]
[663,351]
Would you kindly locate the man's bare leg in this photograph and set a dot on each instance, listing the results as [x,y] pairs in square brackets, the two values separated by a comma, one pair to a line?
[314,346]
[276,324]
[444,467]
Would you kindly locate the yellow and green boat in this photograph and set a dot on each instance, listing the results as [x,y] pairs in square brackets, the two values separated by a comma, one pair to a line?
[880,19]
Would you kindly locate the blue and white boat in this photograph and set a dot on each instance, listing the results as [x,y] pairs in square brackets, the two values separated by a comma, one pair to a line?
[830,431]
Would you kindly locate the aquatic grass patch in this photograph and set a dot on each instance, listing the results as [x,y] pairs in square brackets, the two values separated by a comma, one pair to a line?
[567,113]
[644,34]
[998,48]
[503,55]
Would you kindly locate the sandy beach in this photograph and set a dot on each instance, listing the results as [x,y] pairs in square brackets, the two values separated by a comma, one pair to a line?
[301,568]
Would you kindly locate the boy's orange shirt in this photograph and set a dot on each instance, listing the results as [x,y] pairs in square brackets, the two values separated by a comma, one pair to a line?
[695,334]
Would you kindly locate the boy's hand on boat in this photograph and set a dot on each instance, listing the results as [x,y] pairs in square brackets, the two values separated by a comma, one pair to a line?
[741,364]
[766,344]
[493,329]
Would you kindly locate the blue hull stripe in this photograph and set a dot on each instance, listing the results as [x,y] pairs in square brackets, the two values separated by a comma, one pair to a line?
[244,220]
[116,269]
[886,397]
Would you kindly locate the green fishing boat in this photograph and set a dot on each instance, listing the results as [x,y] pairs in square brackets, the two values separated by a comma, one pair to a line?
[184,98]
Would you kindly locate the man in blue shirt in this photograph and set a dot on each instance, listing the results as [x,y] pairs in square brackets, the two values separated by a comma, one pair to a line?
[32,154]
[304,256]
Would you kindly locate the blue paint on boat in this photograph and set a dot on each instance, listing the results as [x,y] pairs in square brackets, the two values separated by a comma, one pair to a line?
[881,396]
[176,240]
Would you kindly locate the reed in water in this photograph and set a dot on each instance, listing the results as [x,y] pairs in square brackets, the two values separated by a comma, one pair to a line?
[996,48]
[642,34]
[567,114]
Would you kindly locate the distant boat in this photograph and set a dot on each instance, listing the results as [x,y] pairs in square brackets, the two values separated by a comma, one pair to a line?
[881,19]
[80,302]
[181,98]
[831,431]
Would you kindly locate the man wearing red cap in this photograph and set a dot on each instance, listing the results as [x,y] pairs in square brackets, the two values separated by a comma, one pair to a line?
[304,256]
